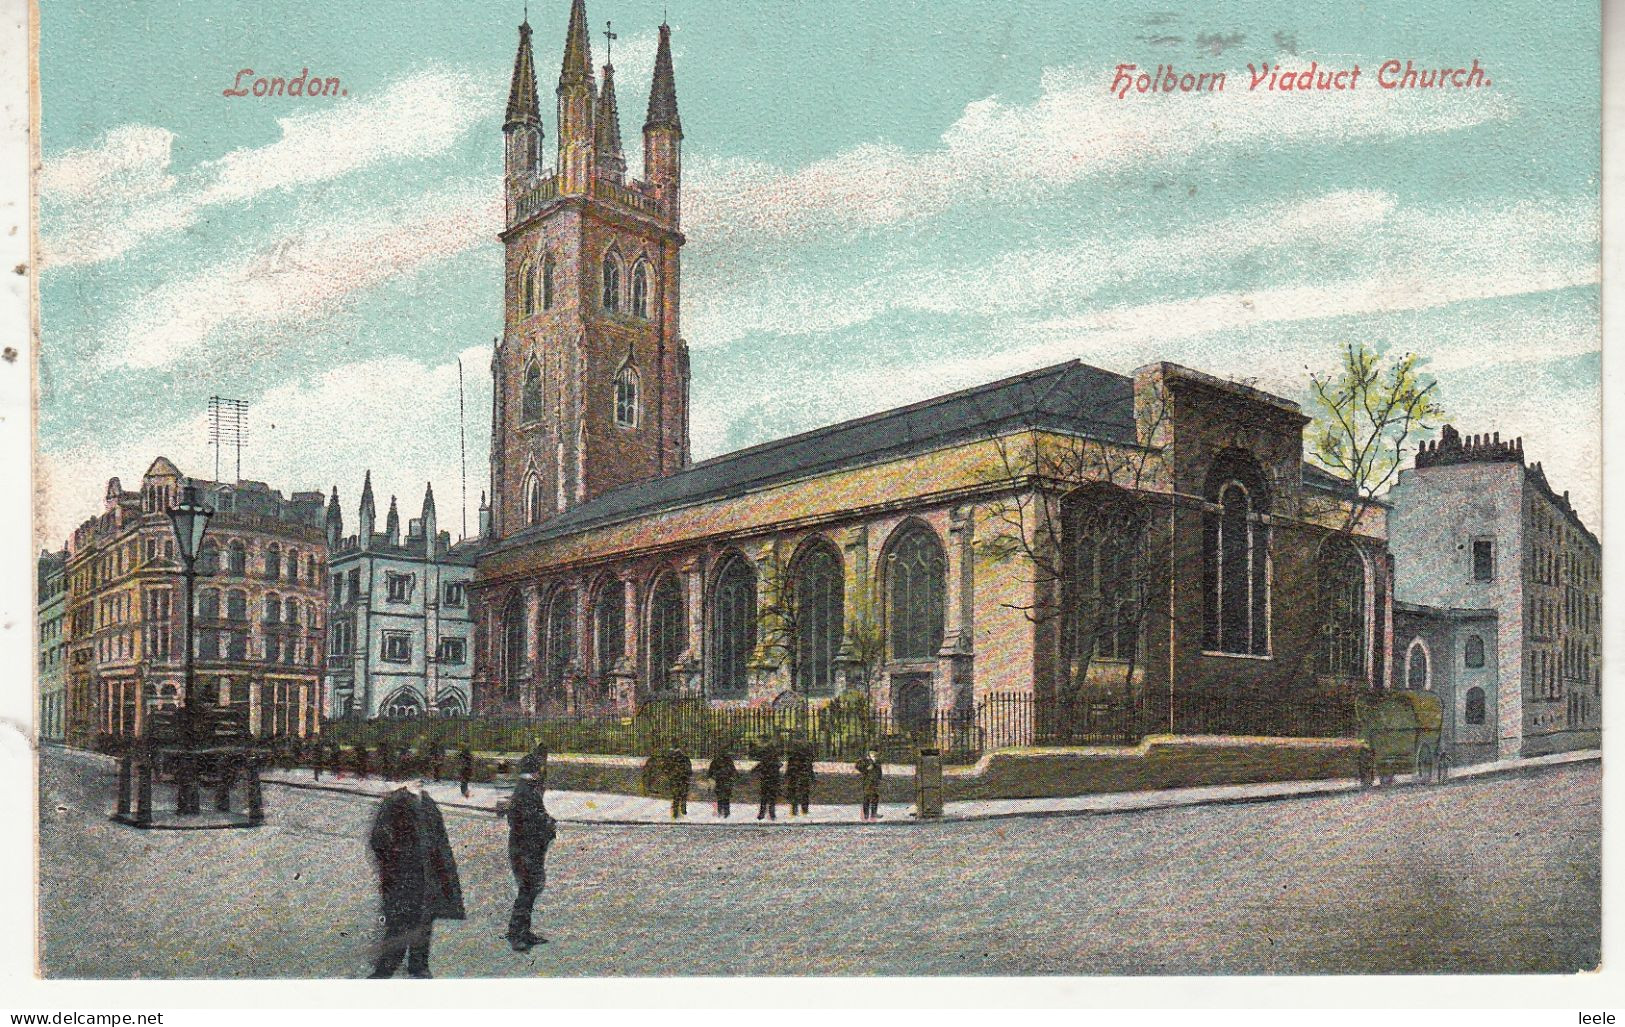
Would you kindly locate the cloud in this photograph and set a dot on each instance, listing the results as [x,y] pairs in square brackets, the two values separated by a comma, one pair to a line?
[309,272]
[1075,129]
[394,415]
[102,201]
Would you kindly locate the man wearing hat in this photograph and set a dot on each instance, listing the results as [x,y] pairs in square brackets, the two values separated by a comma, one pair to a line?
[530,831]
[417,876]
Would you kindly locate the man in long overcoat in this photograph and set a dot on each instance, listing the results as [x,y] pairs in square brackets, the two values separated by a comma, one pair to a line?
[871,773]
[798,777]
[723,774]
[530,831]
[679,778]
[767,773]
[417,877]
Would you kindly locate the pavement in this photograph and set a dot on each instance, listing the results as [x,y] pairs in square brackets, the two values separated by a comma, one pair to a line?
[611,808]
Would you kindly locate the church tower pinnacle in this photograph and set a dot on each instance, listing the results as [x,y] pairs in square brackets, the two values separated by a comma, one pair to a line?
[523,124]
[590,375]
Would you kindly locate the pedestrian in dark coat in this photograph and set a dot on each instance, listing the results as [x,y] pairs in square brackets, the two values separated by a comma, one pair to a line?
[417,877]
[465,768]
[798,777]
[723,774]
[870,773]
[679,778]
[531,829]
[767,774]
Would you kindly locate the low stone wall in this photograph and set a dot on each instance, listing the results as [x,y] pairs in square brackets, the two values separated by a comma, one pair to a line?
[1156,763]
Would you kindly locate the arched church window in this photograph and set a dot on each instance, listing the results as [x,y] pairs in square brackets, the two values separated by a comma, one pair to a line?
[611,291]
[668,630]
[514,656]
[817,584]
[1235,558]
[915,574]
[533,499]
[733,629]
[1341,574]
[549,289]
[530,397]
[1102,585]
[609,621]
[640,289]
[527,289]
[1416,668]
[626,397]
[560,642]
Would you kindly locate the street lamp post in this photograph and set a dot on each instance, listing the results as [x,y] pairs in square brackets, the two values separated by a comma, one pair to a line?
[191,519]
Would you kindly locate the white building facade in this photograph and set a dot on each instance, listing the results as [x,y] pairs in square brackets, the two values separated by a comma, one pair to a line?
[1474,528]
[400,642]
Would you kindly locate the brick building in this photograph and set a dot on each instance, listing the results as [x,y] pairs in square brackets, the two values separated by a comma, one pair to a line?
[398,625]
[1476,528]
[52,607]
[260,608]
[1153,542]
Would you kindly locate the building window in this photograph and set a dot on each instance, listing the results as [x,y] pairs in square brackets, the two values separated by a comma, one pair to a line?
[640,289]
[1341,574]
[1473,713]
[668,631]
[515,658]
[533,499]
[452,651]
[1102,586]
[560,640]
[1235,563]
[1416,668]
[355,584]
[527,289]
[403,705]
[916,570]
[273,649]
[236,606]
[548,289]
[399,586]
[273,609]
[609,620]
[1483,559]
[273,562]
[530,398]
[237,646]
[208,604]
[611,292]
[237,557]
[293,565]
[733,628]
[626,397]
[397,647]
[290,612]
[208,559]
[454,593]
[1474,652]
[817,590]
[208,645]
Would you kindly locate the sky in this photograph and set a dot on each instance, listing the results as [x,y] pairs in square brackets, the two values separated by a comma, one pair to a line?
[882,201]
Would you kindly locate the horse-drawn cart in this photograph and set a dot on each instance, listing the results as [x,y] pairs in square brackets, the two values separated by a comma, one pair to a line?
[1401,735]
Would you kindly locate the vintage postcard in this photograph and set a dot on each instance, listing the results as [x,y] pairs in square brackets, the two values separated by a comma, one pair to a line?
[651,488]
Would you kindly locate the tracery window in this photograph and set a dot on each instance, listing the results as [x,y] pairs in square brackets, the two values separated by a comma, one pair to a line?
[817,584]
[533,499]
[733,629]
[527,289]
[1103,588]
[916,570]
[530,395]
[609,617]
[515,658]
[1235,558]
[1341,574]
[640,289]
[548,287]
[626,397]
[560,639]
[668,630]
[610,294]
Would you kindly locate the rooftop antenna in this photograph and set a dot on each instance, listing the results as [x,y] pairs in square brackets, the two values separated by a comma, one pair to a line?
[228,426]
[462,441]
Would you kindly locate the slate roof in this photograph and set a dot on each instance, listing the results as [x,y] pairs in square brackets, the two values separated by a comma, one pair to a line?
[1071,397]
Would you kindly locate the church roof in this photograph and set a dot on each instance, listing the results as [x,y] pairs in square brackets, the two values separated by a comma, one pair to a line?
[1072,397]
[522,106]
[663,88]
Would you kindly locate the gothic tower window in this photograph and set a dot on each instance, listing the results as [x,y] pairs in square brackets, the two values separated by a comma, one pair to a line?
[527,289]
[1341,574]
[626,397]
[915,574]
[817,584]
[611,292]
[640,289]
[668,631]
[1473,655]
[733,629]
[533,499]
[560,639]
[1235,558]
[548,288]
[609,620]
[530,397]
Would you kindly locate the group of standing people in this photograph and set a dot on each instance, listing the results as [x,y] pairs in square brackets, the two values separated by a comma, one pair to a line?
[418,880]
[672,772]
[388,762]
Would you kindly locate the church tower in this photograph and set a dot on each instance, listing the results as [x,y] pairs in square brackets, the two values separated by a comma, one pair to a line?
[590,375]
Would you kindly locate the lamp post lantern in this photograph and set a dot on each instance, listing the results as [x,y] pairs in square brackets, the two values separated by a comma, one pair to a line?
[190,518]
